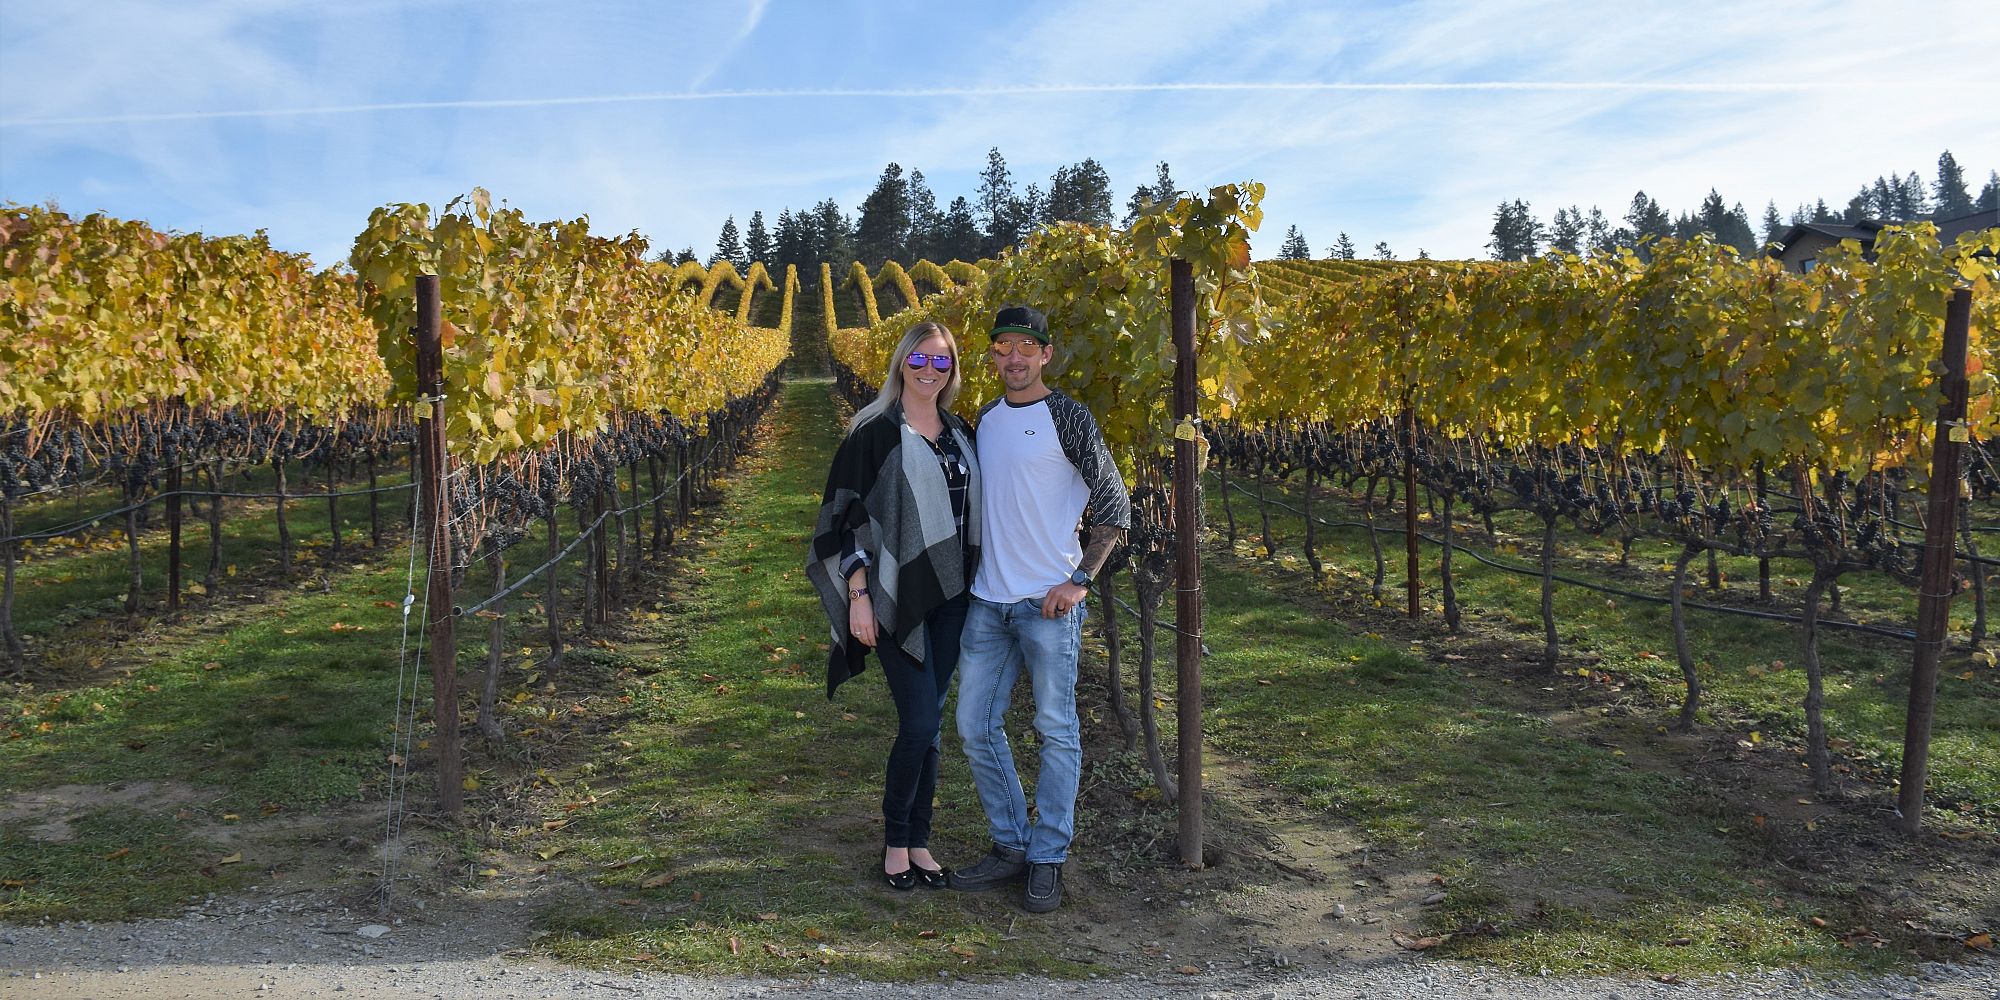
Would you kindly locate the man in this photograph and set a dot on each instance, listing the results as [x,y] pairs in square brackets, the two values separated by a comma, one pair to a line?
[1043,464]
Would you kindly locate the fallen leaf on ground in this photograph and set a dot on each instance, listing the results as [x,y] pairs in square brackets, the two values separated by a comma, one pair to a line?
[767,917]
[1188,970]
[657,881]
[232,859]
[1414,943]
[119,853]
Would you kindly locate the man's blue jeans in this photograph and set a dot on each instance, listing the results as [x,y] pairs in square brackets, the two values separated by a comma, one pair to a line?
[999,640]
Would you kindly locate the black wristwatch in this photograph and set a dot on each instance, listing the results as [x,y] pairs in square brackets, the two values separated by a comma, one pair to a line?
[1081,577]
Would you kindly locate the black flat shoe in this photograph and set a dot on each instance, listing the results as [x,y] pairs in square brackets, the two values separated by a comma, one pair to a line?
[902,881]
[932,878]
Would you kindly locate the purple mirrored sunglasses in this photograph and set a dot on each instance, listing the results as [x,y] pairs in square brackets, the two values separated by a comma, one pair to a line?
[938,362]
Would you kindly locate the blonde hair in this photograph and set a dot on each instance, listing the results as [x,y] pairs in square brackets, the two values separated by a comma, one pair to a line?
[892,383]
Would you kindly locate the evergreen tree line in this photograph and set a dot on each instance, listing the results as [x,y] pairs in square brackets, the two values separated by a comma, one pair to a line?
[901,219]
[1519,235]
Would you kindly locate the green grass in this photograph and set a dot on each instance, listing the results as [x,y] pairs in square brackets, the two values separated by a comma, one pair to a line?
[1584,860]
[285,708]
[65,582]
[1750,669]
[737,778]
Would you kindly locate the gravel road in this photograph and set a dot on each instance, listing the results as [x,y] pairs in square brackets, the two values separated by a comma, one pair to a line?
[297,947]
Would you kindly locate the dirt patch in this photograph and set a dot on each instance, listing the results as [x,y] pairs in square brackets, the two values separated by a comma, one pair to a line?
[48,812]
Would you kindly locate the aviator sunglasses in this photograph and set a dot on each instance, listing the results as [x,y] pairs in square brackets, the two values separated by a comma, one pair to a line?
[938,362]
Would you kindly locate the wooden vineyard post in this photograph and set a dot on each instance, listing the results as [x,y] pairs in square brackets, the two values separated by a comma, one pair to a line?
[173,460]
[1763,562]
[1934,590]
[436,526]
[1187,574]
[1412,569]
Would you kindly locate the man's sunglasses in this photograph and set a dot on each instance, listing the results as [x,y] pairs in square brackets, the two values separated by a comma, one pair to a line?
[1004,348]
[938,362]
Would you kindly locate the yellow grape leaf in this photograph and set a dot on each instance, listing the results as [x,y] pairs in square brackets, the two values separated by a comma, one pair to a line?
[232,859]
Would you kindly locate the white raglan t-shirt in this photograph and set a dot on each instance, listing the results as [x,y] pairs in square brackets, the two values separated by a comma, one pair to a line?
[1032,501]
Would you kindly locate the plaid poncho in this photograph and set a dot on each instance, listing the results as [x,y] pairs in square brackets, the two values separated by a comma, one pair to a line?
[886,496]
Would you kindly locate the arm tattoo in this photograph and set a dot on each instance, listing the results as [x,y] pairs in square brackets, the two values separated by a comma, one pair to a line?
[1103,537]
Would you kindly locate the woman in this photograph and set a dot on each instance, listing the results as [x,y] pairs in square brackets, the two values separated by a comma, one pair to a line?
[892,559]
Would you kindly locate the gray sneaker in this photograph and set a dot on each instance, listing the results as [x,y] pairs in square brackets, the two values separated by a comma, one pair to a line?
[1044,887]
[1000,866]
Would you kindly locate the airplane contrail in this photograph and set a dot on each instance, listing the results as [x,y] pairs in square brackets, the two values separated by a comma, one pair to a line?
[921,93]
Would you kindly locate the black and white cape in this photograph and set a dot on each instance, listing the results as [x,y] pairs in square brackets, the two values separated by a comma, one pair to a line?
[886,496]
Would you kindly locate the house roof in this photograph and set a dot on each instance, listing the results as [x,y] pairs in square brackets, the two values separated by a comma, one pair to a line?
[1949,229]
[1864,231]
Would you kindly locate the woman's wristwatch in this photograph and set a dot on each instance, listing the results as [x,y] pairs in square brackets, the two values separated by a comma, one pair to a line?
[856,593]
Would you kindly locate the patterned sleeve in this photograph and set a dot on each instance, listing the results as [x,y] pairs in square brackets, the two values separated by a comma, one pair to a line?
[1084,446]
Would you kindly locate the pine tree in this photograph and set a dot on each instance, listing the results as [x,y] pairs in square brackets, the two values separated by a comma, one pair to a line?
[1911,201]
[757,241]
[1597,230]
[833,235]
[958,234]
[1949,192]
[1343,250]
[1774,226]
[728,246]
[1295,246]
[1566,232]
[1161,190]
[1382,251]
[1859,207]
[1516,233]
[1728,226]
[997,205]
[1989,196]
[1079,193]
[795,240]
[925,219]
[1029,210]
[1647,219]
[883,231]
[686,256]
[1883,197]
[1821,213]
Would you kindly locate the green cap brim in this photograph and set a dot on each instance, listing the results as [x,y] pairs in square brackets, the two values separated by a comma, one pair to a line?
[1030,331]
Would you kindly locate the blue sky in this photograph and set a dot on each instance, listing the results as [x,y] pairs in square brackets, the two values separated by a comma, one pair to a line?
[1404,122]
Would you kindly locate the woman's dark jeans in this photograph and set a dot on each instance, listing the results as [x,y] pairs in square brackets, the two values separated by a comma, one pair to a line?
[919,690]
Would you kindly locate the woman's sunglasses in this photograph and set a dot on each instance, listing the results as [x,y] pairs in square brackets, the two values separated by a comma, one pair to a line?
[938,362]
